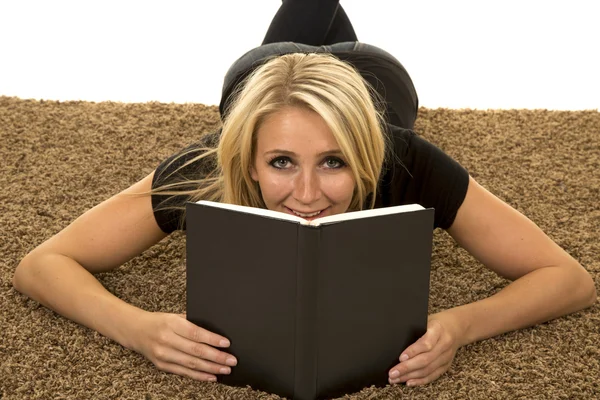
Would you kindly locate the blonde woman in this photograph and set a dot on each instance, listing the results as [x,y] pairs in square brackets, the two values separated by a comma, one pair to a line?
[314,123]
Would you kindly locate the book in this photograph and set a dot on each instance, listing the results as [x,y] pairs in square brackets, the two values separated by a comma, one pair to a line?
[313,309]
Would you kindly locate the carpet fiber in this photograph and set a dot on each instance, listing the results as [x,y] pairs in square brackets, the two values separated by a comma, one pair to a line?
[58,159]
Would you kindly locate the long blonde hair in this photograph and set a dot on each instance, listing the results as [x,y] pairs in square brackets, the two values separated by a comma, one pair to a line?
[321,83]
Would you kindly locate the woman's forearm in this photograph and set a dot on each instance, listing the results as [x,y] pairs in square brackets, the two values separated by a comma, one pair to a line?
[537,297]
[64,286]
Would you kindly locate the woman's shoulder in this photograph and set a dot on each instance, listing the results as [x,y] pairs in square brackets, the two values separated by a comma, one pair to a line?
[405,143]
[178,175]
[407,146]
[188,163]
[418,171]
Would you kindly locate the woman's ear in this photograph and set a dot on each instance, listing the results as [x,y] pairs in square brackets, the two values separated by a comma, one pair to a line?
[253,173]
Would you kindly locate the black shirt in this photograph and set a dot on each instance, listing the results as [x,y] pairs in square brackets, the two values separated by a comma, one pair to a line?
[419,172]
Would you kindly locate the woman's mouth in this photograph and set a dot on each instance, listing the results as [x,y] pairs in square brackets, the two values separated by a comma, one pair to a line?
[306,215]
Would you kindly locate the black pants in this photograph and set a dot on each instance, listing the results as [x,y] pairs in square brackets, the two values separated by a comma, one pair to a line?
[312,22]
[322,26]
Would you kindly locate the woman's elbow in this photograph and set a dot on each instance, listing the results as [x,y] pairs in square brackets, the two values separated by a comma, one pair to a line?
[591,290]
[23,273]
[585,288]
[20,272]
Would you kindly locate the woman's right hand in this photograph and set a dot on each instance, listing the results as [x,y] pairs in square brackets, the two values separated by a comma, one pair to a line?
[178,346]
[59,274]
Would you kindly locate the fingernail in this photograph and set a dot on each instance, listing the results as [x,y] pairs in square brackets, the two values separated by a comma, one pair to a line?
[224,343]
[394,373]
[212,379]
[231,361]
[225,370]
[410,383]
[404,357]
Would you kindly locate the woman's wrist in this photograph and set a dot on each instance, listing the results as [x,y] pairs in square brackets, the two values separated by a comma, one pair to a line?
[128,326]
[453,320]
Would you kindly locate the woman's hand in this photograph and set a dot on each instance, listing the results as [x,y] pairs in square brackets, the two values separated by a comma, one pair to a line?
[429,357]
[178,346]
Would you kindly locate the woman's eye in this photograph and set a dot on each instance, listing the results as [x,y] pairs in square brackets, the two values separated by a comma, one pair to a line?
[334,162]
[280,162]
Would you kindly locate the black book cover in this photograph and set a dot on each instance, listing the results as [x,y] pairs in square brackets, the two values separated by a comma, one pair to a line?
[311,311]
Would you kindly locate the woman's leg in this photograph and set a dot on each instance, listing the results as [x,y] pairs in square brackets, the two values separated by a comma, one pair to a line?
[341,29]
[300,24]
[312,22]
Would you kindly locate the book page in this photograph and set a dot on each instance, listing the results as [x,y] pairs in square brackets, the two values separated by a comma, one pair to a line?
[257,211]
[365,214]
[319,221]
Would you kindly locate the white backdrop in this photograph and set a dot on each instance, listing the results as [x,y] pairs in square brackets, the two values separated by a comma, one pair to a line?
[460,53]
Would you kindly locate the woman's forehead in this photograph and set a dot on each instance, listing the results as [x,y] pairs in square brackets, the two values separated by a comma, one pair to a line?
[295,128]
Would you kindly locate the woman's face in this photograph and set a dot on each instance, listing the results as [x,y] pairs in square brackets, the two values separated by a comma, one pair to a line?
[299,165]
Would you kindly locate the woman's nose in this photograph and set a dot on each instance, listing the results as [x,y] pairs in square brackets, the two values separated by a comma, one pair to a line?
[307,187]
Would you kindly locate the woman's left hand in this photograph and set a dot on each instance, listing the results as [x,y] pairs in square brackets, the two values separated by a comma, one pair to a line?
[429,357]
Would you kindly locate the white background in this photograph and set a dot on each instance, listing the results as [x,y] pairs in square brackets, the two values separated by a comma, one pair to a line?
[460,53]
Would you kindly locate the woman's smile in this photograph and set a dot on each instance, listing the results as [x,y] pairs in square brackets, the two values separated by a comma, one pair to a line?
[308,215]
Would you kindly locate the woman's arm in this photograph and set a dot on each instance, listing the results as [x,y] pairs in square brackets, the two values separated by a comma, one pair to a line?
[547,283]
[59,275]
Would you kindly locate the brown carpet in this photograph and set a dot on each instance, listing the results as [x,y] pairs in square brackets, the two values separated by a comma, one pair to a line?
[59,159]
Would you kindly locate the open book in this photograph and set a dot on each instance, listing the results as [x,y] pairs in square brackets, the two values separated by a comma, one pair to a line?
[318,221]
[312,309]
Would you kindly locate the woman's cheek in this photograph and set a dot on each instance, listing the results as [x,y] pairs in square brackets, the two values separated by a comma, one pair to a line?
[339,187]
[275,189]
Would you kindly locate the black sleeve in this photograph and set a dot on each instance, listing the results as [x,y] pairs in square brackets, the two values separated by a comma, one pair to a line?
[422,173]
[168,209]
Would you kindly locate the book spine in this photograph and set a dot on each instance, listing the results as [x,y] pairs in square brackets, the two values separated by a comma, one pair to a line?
[305,385]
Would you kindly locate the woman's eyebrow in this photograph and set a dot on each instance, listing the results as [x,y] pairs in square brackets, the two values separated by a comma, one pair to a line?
[292,154]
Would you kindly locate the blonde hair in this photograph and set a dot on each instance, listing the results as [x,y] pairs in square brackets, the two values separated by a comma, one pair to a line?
[319,82]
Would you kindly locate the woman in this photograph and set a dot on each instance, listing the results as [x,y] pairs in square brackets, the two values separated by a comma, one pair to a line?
[301,134]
